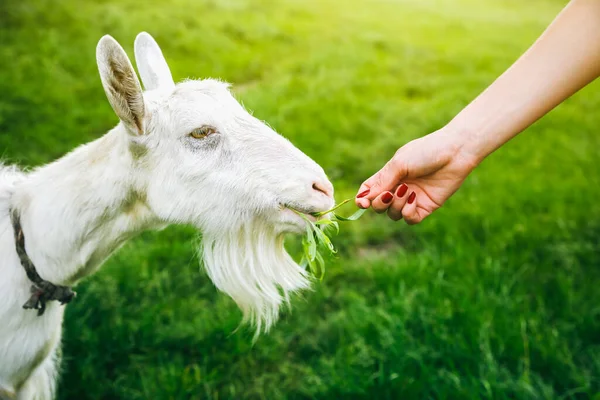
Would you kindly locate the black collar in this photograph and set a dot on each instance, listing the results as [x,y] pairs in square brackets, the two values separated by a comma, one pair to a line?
[41,290]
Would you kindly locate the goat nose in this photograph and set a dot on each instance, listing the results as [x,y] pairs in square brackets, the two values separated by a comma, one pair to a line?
[324,187]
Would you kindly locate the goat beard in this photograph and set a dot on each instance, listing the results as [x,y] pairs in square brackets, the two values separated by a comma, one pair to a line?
[252,266]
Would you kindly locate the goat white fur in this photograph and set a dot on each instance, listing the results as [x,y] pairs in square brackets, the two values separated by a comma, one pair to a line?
[181,154]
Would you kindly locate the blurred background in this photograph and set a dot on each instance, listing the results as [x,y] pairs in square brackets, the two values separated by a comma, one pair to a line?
[497,295]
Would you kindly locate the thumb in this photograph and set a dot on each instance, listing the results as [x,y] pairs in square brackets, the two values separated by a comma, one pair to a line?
[387,178]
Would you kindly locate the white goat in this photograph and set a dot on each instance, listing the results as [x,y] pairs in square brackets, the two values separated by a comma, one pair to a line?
[181,154]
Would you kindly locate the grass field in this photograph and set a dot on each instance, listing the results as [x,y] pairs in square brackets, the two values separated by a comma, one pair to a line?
[496,296]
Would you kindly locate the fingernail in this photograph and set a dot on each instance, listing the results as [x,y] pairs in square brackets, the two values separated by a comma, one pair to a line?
[387,197]
[412,197]
[363,194]
[401,190]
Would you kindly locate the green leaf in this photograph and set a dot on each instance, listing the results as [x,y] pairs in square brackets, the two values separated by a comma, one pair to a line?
[324,239]
[312,245]
[303,263]
[313,267]
[321,263]
[353,217]
[321,213]
[316,240]
[336,225]
[328,223]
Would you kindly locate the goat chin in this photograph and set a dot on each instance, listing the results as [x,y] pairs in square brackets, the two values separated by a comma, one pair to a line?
[251,265]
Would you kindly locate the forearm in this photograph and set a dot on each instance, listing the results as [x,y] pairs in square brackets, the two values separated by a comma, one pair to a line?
[563,60]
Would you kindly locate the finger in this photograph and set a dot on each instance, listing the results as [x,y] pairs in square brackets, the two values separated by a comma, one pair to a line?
[381,203]
[385,179]
[362,203]
[395,209]
[359,198]
[394,214]
[409,211]
[363,191]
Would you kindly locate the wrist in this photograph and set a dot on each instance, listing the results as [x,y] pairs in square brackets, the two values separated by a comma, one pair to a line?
[465,144]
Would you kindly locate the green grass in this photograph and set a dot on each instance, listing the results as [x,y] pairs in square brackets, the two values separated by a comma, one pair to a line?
[494,296]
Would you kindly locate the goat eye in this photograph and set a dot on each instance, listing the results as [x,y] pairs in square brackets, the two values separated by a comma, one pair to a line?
[201,133]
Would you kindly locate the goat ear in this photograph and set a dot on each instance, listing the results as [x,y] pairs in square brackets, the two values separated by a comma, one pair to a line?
[121,84]
[151,63]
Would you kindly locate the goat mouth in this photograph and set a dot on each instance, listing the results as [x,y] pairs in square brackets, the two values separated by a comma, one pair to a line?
[296,219]
[311,212]
[301,213]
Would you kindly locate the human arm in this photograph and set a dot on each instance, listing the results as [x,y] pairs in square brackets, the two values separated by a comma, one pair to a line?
[565,58]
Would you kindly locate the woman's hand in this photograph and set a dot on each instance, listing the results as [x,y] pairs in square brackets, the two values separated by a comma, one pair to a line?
[426,172]
[420,177]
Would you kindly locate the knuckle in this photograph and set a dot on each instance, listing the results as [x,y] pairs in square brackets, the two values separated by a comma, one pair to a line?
[414,219]
[398,154]
[398,164]
[411,220]
[397,205]
[379,210]
[397,161]
[380,178]
[393,215]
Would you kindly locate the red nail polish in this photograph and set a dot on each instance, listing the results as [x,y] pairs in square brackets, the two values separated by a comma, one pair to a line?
[412,197]
[401,190]
[363,194]
[387,197]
